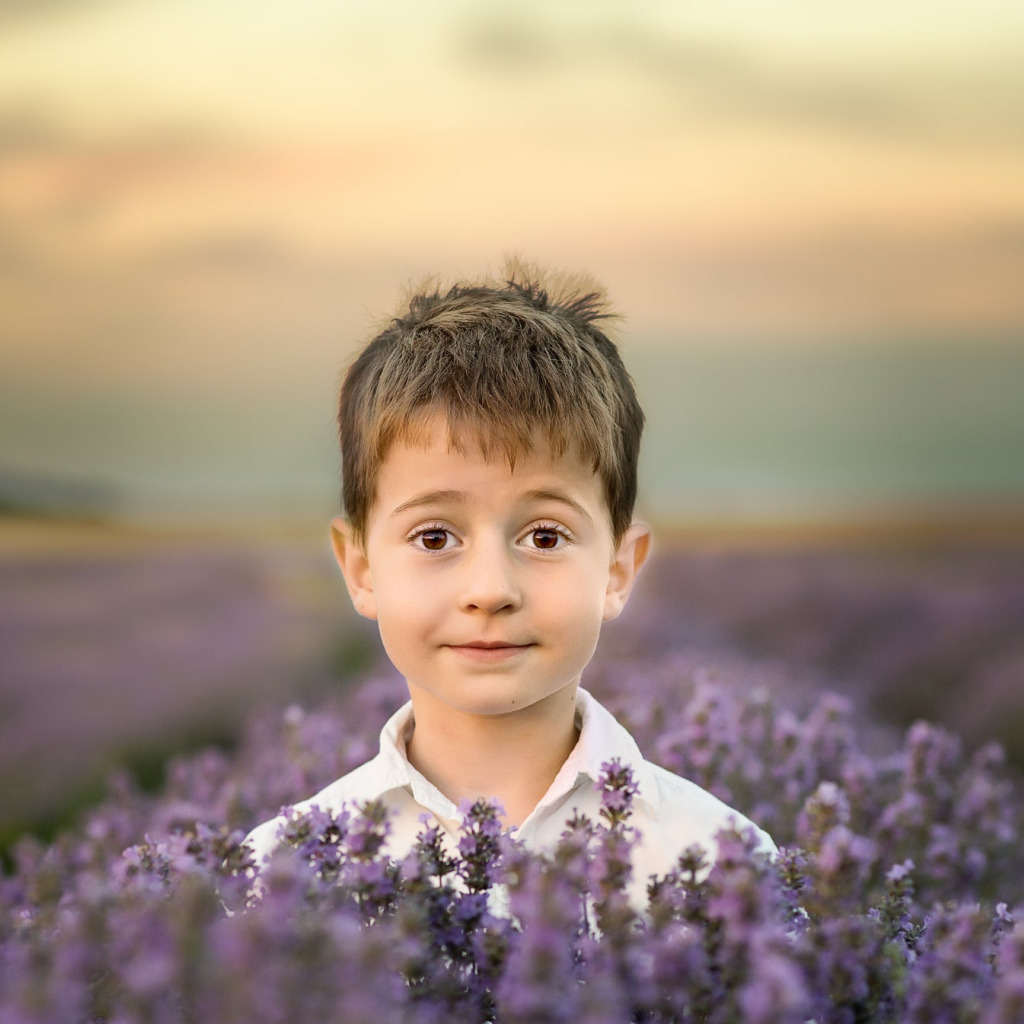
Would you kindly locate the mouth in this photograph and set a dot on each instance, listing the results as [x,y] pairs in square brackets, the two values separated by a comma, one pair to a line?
[489,650]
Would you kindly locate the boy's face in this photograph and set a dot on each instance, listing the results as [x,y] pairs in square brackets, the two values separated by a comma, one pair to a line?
[489,585]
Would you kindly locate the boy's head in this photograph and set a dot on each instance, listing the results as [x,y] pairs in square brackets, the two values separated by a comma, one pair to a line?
[503,363]
[490,440]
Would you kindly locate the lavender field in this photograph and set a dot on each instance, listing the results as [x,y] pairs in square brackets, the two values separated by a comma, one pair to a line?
[126,647]
[897,895]
[905,628]
[120,646]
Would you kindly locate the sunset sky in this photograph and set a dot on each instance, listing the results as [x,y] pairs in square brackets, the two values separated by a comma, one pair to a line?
[205,203]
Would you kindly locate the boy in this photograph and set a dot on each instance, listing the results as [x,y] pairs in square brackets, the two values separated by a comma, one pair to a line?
[489,441]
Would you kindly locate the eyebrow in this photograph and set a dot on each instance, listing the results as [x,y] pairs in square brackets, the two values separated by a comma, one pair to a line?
[461,498]
[562,499]
[431,498]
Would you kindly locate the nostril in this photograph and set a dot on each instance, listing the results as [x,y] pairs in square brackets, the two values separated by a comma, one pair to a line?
[492,599]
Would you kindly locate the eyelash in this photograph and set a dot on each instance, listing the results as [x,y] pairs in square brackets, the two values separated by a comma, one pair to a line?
[430,528]
[541,527]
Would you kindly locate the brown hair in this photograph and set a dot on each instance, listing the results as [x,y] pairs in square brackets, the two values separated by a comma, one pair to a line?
[499,360]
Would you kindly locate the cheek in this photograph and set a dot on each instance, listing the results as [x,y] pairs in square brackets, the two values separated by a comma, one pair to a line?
[578,609]
[406,604]
[405,632]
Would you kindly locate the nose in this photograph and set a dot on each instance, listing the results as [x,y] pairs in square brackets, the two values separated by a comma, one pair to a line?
[489,581]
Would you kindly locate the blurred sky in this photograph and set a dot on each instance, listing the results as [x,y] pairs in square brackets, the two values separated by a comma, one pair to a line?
[204,204]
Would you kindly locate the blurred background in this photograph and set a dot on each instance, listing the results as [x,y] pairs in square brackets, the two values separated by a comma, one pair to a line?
[810,216]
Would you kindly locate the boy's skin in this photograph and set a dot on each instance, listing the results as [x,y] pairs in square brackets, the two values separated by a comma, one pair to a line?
[489,584]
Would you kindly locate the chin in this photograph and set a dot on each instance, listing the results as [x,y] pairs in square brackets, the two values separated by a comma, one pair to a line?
[496,704]
[493,707]
[487,700]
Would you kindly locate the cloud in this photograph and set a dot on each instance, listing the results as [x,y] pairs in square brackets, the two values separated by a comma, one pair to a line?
[916,102]
[252,252]
[24,129]
[973,96]
[12,11]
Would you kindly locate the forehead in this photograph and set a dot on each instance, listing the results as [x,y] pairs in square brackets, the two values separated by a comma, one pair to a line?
[437,455]
[428,429]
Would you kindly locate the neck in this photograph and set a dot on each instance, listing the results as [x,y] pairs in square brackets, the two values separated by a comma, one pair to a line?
[512,758]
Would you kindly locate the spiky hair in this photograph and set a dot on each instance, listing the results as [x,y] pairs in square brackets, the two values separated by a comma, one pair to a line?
[502,361]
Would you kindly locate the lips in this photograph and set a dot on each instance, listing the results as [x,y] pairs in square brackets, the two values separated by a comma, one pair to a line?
[489,650]
[490,645]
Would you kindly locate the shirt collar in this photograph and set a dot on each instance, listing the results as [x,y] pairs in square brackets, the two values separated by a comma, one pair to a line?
[601,739]
[396,772]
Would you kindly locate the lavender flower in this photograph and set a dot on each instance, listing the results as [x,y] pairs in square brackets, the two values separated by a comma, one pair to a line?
[897,895]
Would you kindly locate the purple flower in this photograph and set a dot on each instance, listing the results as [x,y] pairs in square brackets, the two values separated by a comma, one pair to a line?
[897,894]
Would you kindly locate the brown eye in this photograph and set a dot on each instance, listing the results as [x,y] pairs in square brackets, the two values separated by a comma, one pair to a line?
[434,540]
[545,539]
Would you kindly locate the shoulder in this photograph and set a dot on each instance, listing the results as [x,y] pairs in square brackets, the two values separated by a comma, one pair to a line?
[358,786]
[697,814]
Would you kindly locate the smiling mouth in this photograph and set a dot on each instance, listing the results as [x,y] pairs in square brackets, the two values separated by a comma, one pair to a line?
[492,650]
[490,645]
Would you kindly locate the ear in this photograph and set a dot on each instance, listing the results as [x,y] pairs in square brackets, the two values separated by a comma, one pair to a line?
[632,552]
[355,567]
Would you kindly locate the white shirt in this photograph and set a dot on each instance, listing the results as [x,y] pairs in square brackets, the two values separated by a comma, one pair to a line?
[670,813]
